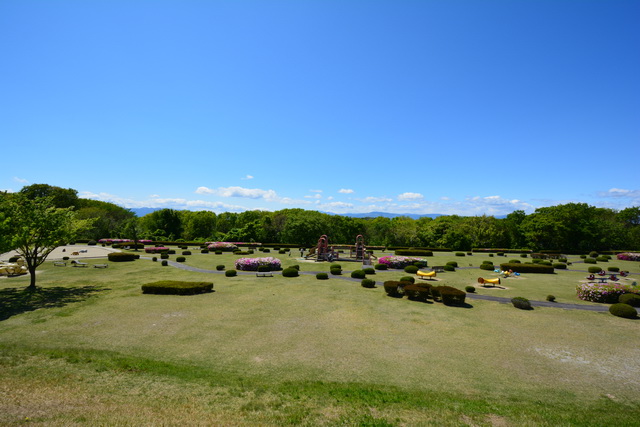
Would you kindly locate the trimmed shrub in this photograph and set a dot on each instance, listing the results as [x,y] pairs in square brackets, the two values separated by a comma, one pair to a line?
[411,269]
[602,259]
[322,276]
[401,261]
[491,255]
[460,254]
[204,251]
[121,256]
[590,261]
[527,268]
[623,310]
[448,267]
[336,271]
[164,255]
[453,263]
[614,269]
[181,259]
[408,279]
[154,259]
[264,269]
[487,266]
[171,287]
[334,265]
[381,266]
[186,252]
[220,267]
[562,260]
[230,273]
[631,299]
[417,293]
[521,303]
[551,298]
[517,261]
[393,288]
[523,255]
[92,243]
[369,270]
[171,251]
[64,258]
[218,252]
[560,266]
[593,254]
[164,263]
[470,289]
[368,283]
[594,270]
[290,272]
[500,253]
[536,260]
[296,266]
[358,274]
[450,295]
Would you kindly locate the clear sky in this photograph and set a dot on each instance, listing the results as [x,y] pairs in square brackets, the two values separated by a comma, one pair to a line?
[462,107]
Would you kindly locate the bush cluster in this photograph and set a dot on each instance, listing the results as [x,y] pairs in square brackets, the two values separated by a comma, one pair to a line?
[171,287]
[418,291]
[527,268]
[608,293]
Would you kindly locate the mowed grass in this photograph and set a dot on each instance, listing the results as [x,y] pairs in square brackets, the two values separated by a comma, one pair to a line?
[274,351]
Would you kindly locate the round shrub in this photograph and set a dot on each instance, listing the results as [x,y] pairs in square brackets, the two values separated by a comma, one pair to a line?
[536,260]
[322,276]
[368,283]
[290,272]
[218,252]
[164,263]
[560,266]
[631,299]
[551,298]
[470,289]
[453,263]
[296,266]
[282,252]
[594,269]
[204,251]
[408,279]
[614,269]
[181,259]
[523,255]
[171,252]
[500,253]
[230,273]
[448,267]
[154,259]
[590,260]
[64,258]
[562,260]
[358,274]
[583,256]
[460,254]
[220,267]
[334,265]
[266,250]
[186,252]
[469,253]
[369,270]
[164,255]
[92,243]
[487,266]
[593,254]
[623,310]
[515,261]
[602,259]
[411,269]
[336,271]
[381,266]
[545,262]
[264,268]
[491,255]
[521,303]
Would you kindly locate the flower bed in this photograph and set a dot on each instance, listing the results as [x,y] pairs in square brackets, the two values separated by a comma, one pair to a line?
[629,256]
[392,261]
[156,250]
[221,246]
[604,292]
[252,264]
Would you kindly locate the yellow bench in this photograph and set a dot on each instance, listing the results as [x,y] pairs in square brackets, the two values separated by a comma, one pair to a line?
[425,274]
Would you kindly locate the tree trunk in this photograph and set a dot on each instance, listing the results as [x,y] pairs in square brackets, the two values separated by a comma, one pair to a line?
[32,282]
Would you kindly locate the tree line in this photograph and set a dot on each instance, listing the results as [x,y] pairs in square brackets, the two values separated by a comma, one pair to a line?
[571,227]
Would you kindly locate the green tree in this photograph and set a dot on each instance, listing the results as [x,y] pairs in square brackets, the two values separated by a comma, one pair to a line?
[60,197]
[36,228]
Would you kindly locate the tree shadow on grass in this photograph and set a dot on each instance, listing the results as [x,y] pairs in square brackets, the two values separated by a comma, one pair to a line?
[15,301]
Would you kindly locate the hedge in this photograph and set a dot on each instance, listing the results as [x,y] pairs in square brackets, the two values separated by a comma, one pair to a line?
[171,287]
[413,252]
[122,256]
[527,268]
[450,295]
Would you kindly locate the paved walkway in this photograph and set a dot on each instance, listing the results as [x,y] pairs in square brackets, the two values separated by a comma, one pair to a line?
[502,300]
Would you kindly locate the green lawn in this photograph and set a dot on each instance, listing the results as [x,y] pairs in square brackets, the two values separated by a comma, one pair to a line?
[274,351]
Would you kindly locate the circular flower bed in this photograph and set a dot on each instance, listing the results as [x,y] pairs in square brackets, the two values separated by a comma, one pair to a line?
[629,256]
[604,292]
[252,264]
[392,261]
[221,246]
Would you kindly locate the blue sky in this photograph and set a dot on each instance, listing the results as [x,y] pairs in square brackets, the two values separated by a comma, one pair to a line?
[452,107]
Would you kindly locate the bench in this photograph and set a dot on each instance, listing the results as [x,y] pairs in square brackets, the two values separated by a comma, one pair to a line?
[59,263]
[264,274]
[438,268]
[75,263]
[100,265]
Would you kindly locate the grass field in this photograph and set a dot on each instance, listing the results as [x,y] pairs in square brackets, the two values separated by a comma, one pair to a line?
[90,348]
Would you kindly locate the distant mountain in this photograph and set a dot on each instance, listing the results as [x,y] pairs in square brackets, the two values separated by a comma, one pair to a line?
[143,211]
[389,215]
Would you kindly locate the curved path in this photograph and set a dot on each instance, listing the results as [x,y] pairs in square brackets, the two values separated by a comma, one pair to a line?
[503,300]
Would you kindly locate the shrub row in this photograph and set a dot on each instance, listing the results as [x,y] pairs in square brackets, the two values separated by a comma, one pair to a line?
[171,287]
[527,268]
[413,252]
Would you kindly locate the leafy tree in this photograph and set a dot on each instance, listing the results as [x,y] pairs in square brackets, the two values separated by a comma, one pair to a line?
[60,197]
[36,228]
[199,225]
[164,222]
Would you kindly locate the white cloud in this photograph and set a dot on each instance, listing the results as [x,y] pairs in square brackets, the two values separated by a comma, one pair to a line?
[445,198]
[315,196]
[619,192]
[249,193]
[371,199]
[345,191]
[248,177]
[330,198]
[20,180]
[410,196]
[316,191]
